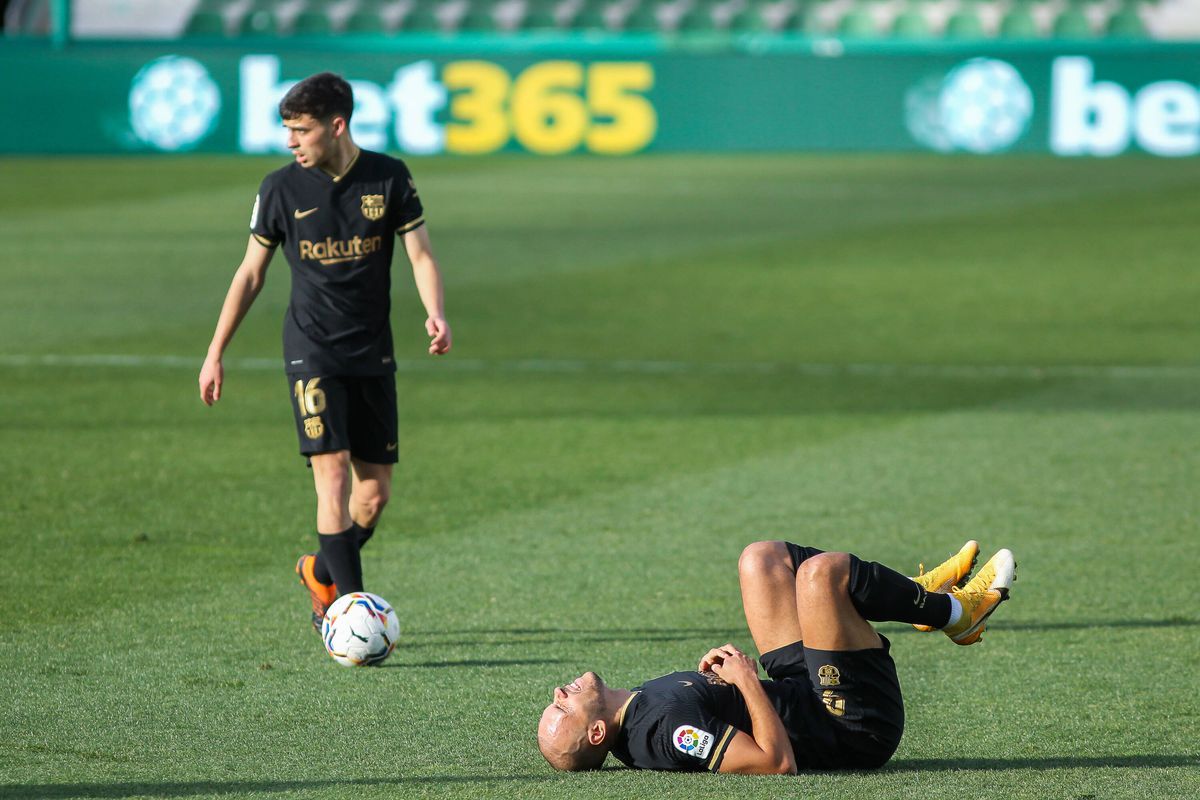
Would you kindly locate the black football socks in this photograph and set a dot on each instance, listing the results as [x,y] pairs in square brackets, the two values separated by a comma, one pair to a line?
[883,595]
[362,535]
[339,556]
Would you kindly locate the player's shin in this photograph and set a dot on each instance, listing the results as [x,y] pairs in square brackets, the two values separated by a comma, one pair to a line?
[361,535]
[883,595]
[339,552]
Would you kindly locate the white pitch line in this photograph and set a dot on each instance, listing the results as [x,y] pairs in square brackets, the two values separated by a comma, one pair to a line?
[646,367]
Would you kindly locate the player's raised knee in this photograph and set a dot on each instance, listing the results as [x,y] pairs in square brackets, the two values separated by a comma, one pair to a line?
[372,503]
[760,559]
[824,572]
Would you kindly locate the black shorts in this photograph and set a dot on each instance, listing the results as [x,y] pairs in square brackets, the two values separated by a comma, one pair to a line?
[340,412]
[841,709]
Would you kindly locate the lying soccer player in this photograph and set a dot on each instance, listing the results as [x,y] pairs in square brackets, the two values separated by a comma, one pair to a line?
[833,699]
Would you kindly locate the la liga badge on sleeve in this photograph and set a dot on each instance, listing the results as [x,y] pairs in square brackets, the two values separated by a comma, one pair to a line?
[692,741]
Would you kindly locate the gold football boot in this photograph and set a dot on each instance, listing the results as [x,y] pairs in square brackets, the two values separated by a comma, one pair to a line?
[982,596]
[949,574]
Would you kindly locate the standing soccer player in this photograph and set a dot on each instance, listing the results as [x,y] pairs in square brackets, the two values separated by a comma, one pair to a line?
[334,211]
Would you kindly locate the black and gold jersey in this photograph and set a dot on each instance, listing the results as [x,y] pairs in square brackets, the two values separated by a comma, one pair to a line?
[338,234]
[681,721]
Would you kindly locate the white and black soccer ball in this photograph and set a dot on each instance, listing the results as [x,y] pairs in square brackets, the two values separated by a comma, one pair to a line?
[173,103]
[984,106]
[360,629]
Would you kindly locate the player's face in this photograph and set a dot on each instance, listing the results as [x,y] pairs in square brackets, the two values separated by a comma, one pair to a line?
[310,140]
[572,708]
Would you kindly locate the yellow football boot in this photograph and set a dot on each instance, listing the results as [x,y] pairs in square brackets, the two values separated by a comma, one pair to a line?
[949,574]
[982,596]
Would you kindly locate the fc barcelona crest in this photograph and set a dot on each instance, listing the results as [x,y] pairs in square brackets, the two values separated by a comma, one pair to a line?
[829,675]
[373,207]
[313,427]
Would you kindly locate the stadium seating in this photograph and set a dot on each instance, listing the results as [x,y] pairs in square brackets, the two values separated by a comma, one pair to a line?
[858,23]
[899,19]
[644,18]
[911,23]
[1126,23]
[260,20]
[964,23]
[480,18]
[1019,23]
[422,19]
[1073,23]
[592,16]
[540,15]
[365,22]
[205,23]
[311,23]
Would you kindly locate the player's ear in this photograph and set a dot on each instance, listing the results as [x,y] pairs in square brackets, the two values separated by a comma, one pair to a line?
[338,126]
[596,732]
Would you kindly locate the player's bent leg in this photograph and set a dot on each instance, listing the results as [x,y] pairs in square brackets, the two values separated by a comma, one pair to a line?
[767,578]
[823,604]
[332,481]
[339,543]
[369,495]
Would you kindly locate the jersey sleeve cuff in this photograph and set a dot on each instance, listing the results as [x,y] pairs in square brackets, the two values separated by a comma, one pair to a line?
[410,226]
[718,753]
[264,241]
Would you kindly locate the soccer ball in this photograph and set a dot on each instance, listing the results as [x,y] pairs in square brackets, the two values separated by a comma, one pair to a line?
[360,629]
[173,103]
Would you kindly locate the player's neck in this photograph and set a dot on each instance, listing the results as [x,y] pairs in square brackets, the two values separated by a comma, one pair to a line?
[616,702]
[342,159]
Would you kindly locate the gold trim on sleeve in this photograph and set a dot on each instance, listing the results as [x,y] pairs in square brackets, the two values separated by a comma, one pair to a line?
[411,226]
[264,241]
[720,748]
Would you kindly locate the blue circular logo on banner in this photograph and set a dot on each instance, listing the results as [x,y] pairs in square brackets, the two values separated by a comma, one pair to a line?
[173,103]
[981,106]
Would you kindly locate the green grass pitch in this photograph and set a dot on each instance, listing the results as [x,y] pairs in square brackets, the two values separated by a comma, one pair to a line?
[657,361]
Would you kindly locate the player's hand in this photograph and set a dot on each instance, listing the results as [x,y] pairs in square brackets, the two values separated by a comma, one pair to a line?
[212,375]
[736,667]
[714,657]
[439,332]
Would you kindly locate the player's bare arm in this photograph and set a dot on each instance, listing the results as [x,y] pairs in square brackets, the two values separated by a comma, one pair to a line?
[247,283]
[428,278]
[768,751]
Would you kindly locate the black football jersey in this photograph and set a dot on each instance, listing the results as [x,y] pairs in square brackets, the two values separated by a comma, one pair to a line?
[685,721]
[680,721]
[338,234]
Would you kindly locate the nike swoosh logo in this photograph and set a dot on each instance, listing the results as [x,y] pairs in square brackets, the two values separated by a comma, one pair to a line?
[686,683]
[298,214]
[391,446]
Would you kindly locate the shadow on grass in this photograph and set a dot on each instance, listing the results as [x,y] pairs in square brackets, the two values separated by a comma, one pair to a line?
[484,663]
[1174,622]
[1052,762]
[61,791]
[526,635]
[67,791]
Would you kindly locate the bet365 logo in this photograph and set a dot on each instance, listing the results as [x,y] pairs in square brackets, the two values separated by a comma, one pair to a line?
[475,107]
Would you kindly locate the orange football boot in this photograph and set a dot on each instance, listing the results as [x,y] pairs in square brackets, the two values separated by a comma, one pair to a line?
[322,594]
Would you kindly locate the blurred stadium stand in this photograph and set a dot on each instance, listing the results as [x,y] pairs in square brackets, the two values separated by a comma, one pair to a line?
[877,19]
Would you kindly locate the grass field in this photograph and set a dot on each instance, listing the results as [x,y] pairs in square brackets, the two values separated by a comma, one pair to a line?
[657,361]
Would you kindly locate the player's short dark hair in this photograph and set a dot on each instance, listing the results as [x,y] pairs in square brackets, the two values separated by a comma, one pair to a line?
[322,96]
